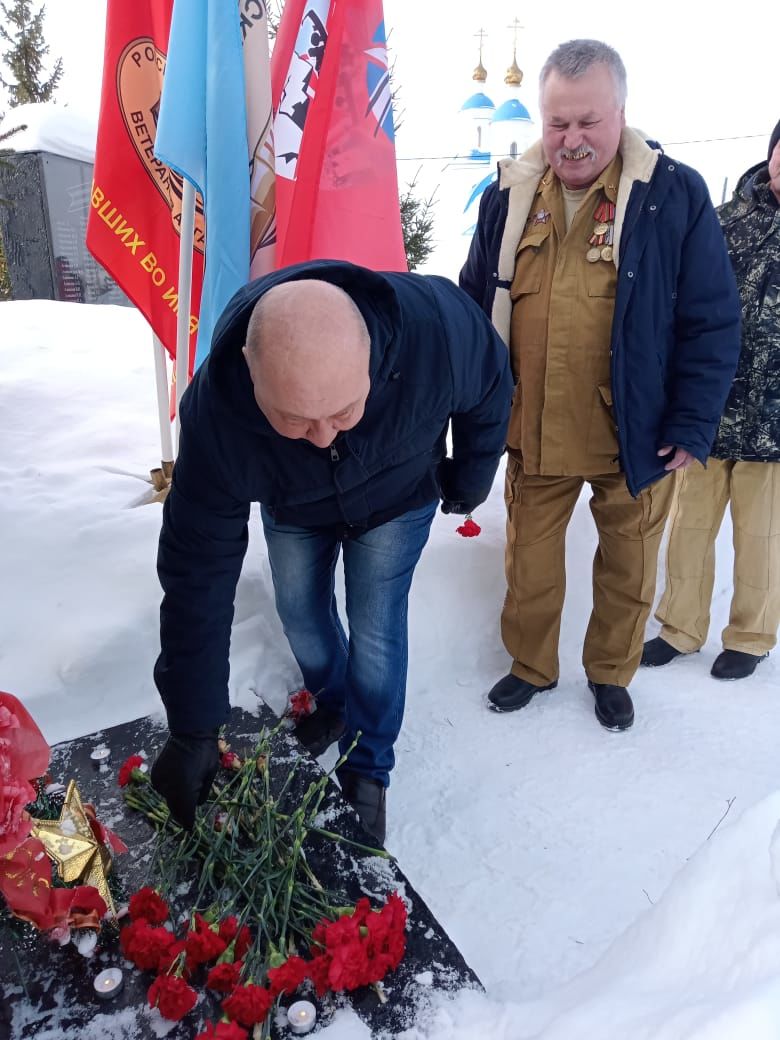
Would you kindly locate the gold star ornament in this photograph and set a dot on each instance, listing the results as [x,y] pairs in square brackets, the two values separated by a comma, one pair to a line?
[71,844]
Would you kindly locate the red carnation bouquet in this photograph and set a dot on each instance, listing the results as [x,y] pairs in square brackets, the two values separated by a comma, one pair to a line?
[249,842]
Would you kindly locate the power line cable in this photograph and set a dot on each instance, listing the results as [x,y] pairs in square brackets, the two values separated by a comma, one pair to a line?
[667,144]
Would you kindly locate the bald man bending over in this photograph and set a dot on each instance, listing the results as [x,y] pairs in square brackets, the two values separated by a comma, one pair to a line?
[327,398]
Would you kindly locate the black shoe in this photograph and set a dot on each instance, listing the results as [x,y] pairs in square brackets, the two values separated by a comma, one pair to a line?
[367,797]
[735,664]
[511,693]
[320,729]
[658,652]
[614,708]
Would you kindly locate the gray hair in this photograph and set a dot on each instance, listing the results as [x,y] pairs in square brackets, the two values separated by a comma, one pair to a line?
[574,58]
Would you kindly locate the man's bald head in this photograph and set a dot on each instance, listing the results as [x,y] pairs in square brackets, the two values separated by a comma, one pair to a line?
[308,351]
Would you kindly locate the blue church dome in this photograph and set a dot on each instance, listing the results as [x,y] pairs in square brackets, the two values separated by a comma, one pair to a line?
[510,110]
[477,101]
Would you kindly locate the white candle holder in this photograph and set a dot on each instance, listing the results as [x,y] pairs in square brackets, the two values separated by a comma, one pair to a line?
[301,1017]
[108,983]
[100,757]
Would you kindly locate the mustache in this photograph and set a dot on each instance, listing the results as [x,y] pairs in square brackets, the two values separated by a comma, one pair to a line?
[583,152]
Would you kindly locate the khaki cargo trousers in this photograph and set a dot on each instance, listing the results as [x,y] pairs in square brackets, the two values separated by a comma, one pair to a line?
[753,489]
[624,571]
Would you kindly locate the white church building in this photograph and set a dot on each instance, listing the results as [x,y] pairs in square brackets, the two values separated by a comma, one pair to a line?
[492,123]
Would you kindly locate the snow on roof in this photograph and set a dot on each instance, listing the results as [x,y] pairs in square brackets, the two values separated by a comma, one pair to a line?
[51,128]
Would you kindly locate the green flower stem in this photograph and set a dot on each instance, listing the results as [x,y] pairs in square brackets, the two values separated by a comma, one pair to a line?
[383,853]
[254,865]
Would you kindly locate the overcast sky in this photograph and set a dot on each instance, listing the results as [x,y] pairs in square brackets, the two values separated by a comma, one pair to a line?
[695,71]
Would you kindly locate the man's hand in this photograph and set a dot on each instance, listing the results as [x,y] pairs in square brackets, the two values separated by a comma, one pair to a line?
[459,508]
[452,496]
[681,459]
[184,772]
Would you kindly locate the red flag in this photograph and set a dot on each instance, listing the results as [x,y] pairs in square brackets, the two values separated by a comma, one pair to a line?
[336,187]
[134,220]
[25,883]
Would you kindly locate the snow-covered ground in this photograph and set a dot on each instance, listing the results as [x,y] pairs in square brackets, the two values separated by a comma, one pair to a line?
[577,870]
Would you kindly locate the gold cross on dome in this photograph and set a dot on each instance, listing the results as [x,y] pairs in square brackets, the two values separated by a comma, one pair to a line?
[514,27]
[71,844]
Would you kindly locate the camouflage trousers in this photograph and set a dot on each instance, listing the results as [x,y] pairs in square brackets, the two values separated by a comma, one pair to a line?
[753,490]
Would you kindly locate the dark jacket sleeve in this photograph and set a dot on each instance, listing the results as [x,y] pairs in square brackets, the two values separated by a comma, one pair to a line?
[482,391]
[475,277]
[707,333]
[202,546]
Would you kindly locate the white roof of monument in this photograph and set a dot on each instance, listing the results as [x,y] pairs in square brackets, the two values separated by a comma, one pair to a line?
[48,127]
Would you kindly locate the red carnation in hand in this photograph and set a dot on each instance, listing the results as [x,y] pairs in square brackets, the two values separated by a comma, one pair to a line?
[248,1004]
[222,1031]
[288,976]
[172,996]
[469,529]
[223,978]
[126,772]
[147,903]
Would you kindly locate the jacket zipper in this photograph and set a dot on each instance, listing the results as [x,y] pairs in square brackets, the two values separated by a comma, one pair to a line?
[334,455]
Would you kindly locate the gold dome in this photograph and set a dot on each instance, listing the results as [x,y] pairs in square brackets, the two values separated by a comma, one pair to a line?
[514,74]
[480,72]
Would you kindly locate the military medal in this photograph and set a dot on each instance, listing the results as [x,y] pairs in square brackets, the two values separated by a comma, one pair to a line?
[603,233]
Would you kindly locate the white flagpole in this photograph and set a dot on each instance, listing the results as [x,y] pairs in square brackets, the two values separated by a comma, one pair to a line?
[187,231]
[161,475]
[163,402]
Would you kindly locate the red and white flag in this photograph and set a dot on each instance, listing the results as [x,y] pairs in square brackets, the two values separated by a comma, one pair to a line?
[336,180]
[134,220]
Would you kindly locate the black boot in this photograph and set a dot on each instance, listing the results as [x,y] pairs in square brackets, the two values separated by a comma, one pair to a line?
[735,664]
[657,652]
[511,693]
[614,708]
[320,729]
[367,797]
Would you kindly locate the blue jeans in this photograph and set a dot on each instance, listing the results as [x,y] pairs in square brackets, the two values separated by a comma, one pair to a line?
[363,677]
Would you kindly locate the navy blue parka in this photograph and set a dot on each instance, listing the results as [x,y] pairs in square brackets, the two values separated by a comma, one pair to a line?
[435,360]
[676,326]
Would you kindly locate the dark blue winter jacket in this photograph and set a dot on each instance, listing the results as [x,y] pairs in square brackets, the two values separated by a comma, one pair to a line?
[435,358]
[675,331]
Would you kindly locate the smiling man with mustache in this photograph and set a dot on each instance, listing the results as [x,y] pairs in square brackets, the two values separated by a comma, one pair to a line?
[601,263]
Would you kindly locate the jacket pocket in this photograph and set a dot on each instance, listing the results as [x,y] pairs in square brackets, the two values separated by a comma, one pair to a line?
[602,431]
[527,278]
[511,485]
[601,279]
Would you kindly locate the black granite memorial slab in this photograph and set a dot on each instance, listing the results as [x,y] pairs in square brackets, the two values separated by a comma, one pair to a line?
[48,990]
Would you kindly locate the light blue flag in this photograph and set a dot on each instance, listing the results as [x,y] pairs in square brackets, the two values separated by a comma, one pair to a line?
[201,133]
